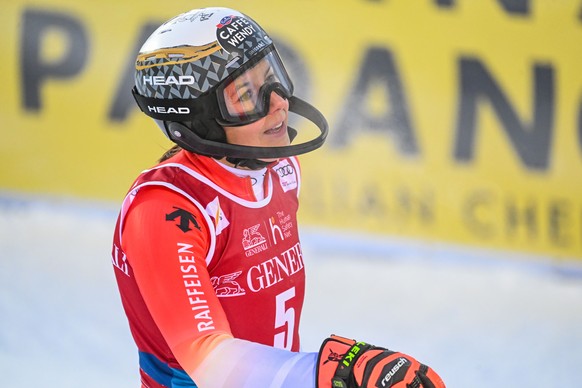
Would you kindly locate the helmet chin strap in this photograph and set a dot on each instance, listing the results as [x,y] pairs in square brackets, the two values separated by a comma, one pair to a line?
[256,164]
[251,164]
[250,156]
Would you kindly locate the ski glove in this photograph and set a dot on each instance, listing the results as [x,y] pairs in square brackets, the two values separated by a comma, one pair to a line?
[345,363]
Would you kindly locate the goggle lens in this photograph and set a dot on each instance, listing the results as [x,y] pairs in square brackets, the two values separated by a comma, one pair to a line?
[247,97]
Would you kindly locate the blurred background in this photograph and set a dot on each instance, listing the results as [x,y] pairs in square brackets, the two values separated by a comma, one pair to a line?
[450,186]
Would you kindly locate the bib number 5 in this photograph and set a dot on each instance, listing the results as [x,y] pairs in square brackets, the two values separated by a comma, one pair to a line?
[284,320]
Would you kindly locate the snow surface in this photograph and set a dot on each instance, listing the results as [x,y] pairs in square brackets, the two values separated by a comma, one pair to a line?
[480,318]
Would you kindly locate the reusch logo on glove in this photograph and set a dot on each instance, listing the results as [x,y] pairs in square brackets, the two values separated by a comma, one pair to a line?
[394,370]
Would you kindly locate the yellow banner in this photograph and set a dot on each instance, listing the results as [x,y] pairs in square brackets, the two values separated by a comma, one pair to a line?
[456,121]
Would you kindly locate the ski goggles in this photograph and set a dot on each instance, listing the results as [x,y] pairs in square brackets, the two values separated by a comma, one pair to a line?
[247,97]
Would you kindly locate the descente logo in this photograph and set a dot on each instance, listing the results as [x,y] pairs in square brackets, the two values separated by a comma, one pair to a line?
[181,110]
[171,80]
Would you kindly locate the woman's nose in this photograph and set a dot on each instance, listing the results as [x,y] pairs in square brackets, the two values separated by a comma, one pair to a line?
[278,102]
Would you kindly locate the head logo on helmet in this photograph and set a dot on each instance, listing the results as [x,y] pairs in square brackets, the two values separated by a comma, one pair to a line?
[208,49]
[187,61]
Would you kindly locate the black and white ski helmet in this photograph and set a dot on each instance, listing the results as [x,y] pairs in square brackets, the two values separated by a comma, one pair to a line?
[183,68]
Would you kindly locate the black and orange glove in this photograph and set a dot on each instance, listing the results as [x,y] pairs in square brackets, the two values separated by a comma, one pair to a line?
[345,363]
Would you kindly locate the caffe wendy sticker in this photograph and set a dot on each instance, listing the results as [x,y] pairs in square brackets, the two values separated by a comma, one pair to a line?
[241,36]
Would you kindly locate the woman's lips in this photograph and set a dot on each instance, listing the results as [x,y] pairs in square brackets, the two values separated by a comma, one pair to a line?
[275,129]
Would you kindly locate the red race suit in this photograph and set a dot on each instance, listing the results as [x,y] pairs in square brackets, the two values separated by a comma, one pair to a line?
[211,279]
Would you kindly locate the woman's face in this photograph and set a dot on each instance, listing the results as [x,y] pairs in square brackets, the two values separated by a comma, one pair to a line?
[269,131]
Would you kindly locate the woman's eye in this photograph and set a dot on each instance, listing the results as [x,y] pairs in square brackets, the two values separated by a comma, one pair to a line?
[247,95]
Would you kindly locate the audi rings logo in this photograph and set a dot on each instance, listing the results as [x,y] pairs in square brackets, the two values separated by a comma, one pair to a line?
[285,170]
[287,176]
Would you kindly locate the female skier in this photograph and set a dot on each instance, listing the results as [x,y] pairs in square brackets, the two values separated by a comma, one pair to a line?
[206,250]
